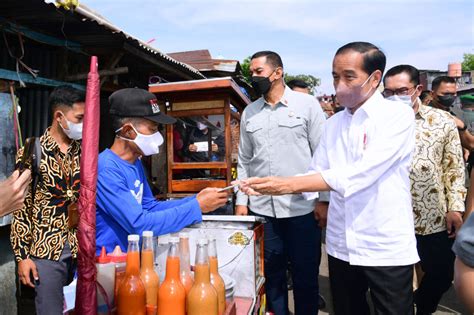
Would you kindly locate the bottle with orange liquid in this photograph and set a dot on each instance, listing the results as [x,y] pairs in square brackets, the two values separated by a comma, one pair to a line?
[148,275]
[131,294]
[172,295]
[202,298]
[185,268]
[216,279]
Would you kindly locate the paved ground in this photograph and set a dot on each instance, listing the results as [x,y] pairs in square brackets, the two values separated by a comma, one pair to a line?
[450,304]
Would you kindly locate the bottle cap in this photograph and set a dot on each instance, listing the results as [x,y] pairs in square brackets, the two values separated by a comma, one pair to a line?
[133,238]
[173,239]
[147,234]
[103,258]
[183,235]
[202,241]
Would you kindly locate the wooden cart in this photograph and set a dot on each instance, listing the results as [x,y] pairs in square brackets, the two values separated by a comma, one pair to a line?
[215,104]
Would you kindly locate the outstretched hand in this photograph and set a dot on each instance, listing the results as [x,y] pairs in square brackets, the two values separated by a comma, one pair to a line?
[257,186]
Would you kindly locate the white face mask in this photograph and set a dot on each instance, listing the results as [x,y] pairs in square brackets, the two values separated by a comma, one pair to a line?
[201,126]
[148,144]
[406,99]
[73,131]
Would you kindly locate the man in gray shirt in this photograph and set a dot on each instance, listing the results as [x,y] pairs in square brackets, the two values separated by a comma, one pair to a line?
[278,134]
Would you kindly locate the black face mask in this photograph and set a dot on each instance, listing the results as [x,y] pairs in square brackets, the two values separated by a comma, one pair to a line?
[446,100]
[261,85]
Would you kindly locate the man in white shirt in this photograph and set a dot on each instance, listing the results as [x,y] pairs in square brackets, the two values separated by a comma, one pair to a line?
[363,158]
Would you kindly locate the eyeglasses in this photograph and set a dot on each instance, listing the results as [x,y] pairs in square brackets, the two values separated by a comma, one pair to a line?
[400,91]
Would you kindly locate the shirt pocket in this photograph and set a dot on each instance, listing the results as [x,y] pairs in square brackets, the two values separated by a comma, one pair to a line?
[255,131]
[290,131]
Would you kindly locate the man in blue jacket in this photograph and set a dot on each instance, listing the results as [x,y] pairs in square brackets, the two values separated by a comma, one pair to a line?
[125,203]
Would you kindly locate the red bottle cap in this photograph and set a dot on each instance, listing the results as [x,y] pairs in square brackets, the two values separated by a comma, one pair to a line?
[103,258]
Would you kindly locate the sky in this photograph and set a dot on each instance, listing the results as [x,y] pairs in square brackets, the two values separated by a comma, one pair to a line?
[427,34]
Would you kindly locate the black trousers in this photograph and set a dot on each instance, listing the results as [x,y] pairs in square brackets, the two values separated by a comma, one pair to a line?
[390,288]
[297,240]
[437,262]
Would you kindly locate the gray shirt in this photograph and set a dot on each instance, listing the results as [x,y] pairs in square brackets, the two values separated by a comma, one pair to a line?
[464,245]
[279,141]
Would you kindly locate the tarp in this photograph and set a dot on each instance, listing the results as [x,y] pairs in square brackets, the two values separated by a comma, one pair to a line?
[86,302]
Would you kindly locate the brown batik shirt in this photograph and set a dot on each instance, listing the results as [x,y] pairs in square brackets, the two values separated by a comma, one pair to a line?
[40,228]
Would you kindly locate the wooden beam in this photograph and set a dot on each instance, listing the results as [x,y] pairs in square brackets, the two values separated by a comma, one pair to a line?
[135,51]
[111,64]
[102,73]
[28,78]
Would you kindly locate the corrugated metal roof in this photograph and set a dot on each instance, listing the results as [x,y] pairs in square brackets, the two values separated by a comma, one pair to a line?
[84,27]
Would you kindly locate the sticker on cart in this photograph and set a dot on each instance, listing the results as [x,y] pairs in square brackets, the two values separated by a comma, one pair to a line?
[238,238]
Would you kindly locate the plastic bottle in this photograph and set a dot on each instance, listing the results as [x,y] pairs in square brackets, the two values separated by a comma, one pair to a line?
[119,258]
[216,278]
[172,295]
[185,267]
[106,278]
[202,298]
[147,273]
[131,298]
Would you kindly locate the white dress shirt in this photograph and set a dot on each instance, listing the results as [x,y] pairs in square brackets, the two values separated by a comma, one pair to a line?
[365,158]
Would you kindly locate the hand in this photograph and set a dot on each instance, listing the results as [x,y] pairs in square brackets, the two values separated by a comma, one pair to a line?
[459,123]
[453,222]
[193,148]
[321,213]
[214,147]
[210,199]
[241,210]
[257,186]
[27,267]
[13,191]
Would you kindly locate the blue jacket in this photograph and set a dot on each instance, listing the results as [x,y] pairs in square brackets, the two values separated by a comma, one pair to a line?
[126,205]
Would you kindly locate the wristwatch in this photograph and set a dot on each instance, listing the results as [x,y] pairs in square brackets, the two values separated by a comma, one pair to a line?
[463,128]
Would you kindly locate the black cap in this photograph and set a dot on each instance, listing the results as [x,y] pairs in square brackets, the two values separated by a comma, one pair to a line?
[134,102]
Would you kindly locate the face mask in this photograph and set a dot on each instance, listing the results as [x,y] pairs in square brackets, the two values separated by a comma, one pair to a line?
[148,144]
[201,126]
[446,100]
[261,85]
[402,98]
[73,131]
[351,96]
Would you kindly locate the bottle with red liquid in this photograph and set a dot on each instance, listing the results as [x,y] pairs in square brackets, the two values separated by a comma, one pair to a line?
[172,295]
[216,279]
[185,267]
[132,295]
[202,298]
[148,275]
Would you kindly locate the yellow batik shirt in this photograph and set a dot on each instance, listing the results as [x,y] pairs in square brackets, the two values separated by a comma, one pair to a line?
[40,228]
[437,175]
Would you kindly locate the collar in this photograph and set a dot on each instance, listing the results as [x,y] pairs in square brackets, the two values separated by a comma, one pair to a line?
[51,145]
[370,106]
[285,98]
[422,110]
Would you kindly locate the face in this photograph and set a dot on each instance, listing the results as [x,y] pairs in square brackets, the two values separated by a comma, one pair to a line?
[347,68]
[445,88]
[142,125]
[259,67]
[302,90]
[401,84]
[74,114]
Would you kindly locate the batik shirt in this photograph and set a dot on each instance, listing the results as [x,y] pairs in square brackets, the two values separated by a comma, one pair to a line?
[40,228]
[437,175]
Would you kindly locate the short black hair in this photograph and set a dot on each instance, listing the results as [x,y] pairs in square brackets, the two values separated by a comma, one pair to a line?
[412,72]
[424,94]
[65,95]
[272,58]
[298,84]
[373,58]
[441,79]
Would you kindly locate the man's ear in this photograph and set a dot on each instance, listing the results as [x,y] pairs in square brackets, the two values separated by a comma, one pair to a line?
[377,78]
[128,132]
[279,73]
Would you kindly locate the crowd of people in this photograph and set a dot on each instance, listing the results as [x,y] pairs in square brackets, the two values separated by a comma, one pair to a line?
[382,170]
